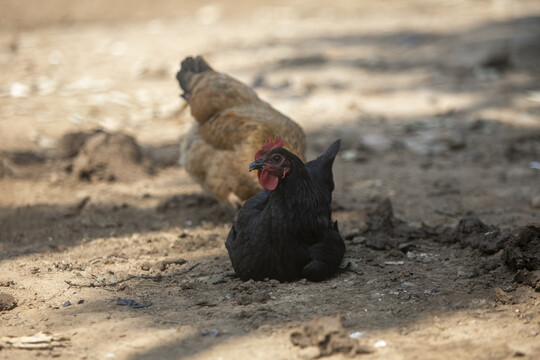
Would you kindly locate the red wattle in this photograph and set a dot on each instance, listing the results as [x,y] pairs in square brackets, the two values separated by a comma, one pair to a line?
[267,180]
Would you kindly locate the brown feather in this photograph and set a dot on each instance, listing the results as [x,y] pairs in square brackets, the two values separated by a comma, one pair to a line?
[232,125]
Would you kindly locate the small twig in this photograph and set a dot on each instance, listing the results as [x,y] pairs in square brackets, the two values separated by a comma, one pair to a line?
[191,267]
[76,209]
[96,260]
[79,285]
[104,284]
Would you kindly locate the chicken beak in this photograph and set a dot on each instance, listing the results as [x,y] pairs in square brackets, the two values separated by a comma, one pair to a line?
[256,165]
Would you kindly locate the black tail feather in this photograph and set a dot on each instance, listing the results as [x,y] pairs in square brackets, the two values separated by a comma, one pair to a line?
[189,67]
[330,153]
[320,169]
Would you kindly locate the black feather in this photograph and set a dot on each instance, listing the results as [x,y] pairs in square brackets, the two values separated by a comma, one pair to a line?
[320,170]
[189,67]
[287,233]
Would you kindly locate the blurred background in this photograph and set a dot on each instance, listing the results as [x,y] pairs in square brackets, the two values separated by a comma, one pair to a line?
[78,65]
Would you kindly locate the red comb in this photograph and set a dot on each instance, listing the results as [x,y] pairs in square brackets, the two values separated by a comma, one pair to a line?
[269,145]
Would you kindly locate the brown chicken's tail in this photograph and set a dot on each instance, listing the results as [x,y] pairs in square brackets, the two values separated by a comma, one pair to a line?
[189,67]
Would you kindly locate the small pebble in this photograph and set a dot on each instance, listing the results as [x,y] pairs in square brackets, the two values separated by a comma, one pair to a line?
[349,154]
[465,274]
[356,335]
[394,262]
[19,90]
[210,332]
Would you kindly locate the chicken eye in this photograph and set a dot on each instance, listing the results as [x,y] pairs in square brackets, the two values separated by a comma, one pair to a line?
[276,158]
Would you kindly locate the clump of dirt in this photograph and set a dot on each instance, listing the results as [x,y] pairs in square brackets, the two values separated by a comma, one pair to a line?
[522,250]
[384,231]
[472,232]
[521,246]
[524,147]
[328,336]
[503,297]
[102,156]
[531,278]
[7,302]
[70,144]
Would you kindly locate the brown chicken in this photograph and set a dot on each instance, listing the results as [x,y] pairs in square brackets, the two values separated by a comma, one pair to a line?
[232,124]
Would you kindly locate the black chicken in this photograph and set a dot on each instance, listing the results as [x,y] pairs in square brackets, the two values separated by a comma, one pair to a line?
[285,232]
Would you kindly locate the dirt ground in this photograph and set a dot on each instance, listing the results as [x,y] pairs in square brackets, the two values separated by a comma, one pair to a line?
[438,106]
